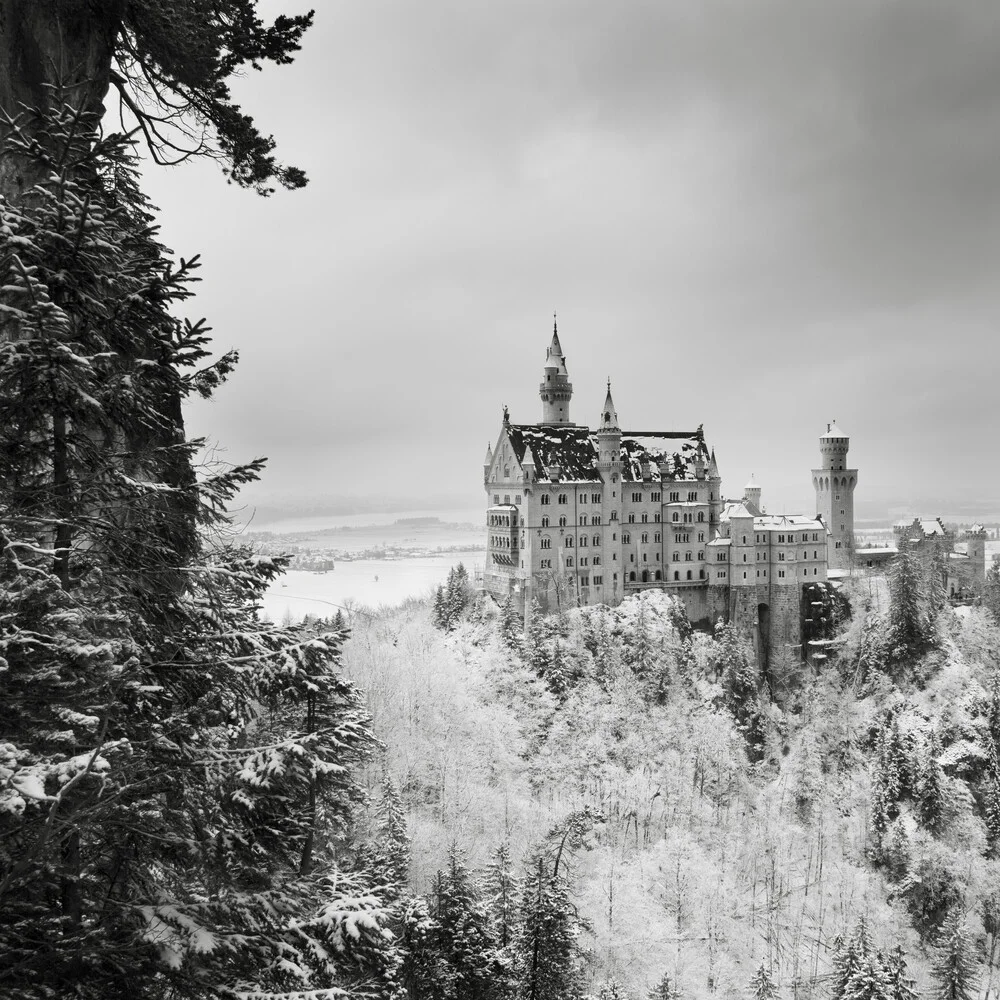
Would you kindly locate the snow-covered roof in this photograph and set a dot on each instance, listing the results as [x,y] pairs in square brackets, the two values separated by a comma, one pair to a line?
[833,431]
[573,450]
[735,509]
[928,526]
[720,541]
[780,522]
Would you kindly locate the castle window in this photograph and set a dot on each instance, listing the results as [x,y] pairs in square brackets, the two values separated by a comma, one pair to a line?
[781,538]
[656,517]
[583,519]
[506,473]
[598,580]
[583,498]
[645,558]
[805,536]
[693,495]
[744,539]
[655,497]
[815,554]
[546,499]
[744,559]
[506,499]
[546,543]
[569,560]
[595,497]
[596,519]
[675,557]
[720,557]
[688,557]
[657,575]
[631,519]
[631,577]
[597,539]
[701,574]
[701,556]
[838,545]
[781,573]
[841,514]
[701,515]
[583,560]
[815,572]
[781,557]
[720,575]
[645,518]
[596,560]
[584,581]
[815,536]
[689,574]
[626,538]
[569,542]
[677,575]
[561,498]
[496,498]
[562,521]
[545,564]
[645,537]
[583,541]
[636,498]
[837,497]
[701,536]
[657,556]
[656,537]
[675,497]
[545,522]
[675,516]
[614,515]
[744,574]
[517,498]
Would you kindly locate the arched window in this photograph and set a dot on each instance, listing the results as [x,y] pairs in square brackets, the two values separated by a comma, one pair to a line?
[631,577]
[597,539]
[658,575]
[701,515]
[677,574]
[675,516]
[562,498]
[545,522]
[689,574]
[546,499]
[562,522]
[645,576]
[569,542]
[546,542]
[583,519]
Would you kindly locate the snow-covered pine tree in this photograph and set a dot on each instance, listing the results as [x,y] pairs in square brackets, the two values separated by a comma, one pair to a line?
[954,967]
[762,984]
[464,934]
[502,890]
[173,770]
[510,625]
[911,619]
[665,989]
[901,984]
[391,856]
[930,793]
[548,962]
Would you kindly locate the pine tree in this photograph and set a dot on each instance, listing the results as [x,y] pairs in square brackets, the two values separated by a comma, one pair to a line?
[665,989]
[392,854]
[911,616]
[762,985]
[511,628]
[439,612]
[901,985]
[464,937]
[502,891]
[930,801]
[173,769]
[954,967]
[547,950]
[612,990]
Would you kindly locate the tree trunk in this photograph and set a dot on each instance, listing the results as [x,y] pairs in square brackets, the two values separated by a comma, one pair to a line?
[52,51]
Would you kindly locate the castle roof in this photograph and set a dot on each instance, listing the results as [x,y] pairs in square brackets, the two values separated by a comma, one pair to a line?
[779,522]
[554,357]
[574,452]
[927,526]
[832,431]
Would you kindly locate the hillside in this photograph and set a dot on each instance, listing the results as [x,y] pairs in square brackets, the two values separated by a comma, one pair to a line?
[730,831]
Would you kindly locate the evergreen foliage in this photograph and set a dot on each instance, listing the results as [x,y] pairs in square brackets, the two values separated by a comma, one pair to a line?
[174,773]
[762,985]
[453,599]
[741,688]
[953,970]
[911,623]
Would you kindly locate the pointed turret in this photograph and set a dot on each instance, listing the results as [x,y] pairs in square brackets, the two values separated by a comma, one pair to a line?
[556,389]
[609,417]
[529,466]
[713,467]
[751,495]
[487,462]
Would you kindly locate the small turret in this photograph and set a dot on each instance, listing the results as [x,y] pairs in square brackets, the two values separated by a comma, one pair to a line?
[609,440]
[556,389]
[487,462]
[751,495]
[713,467]
[529,466]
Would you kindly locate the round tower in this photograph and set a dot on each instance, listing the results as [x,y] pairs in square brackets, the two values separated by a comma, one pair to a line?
[834,484]
[751,493]
[556,389]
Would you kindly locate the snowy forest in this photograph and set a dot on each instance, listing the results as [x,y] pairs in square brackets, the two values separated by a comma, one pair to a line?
[428,802]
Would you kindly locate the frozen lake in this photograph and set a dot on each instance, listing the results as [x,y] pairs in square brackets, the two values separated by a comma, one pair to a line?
[369,582]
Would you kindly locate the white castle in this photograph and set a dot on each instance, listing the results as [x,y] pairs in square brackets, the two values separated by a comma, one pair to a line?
[580,516]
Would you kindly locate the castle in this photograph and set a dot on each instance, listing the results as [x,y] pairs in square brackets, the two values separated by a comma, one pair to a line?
[580,516]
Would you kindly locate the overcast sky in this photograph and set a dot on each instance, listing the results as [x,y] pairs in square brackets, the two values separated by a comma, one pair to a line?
[756,216]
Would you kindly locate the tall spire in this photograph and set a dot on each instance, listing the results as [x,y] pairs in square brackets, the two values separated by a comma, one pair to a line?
[556,389]
[609,418]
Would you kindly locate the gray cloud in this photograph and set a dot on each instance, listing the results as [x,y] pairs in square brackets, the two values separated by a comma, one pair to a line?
[752,215]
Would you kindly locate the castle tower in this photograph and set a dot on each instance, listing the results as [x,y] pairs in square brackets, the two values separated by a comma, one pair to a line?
[609,466]
[751,495]
[834,485]
[556,389]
